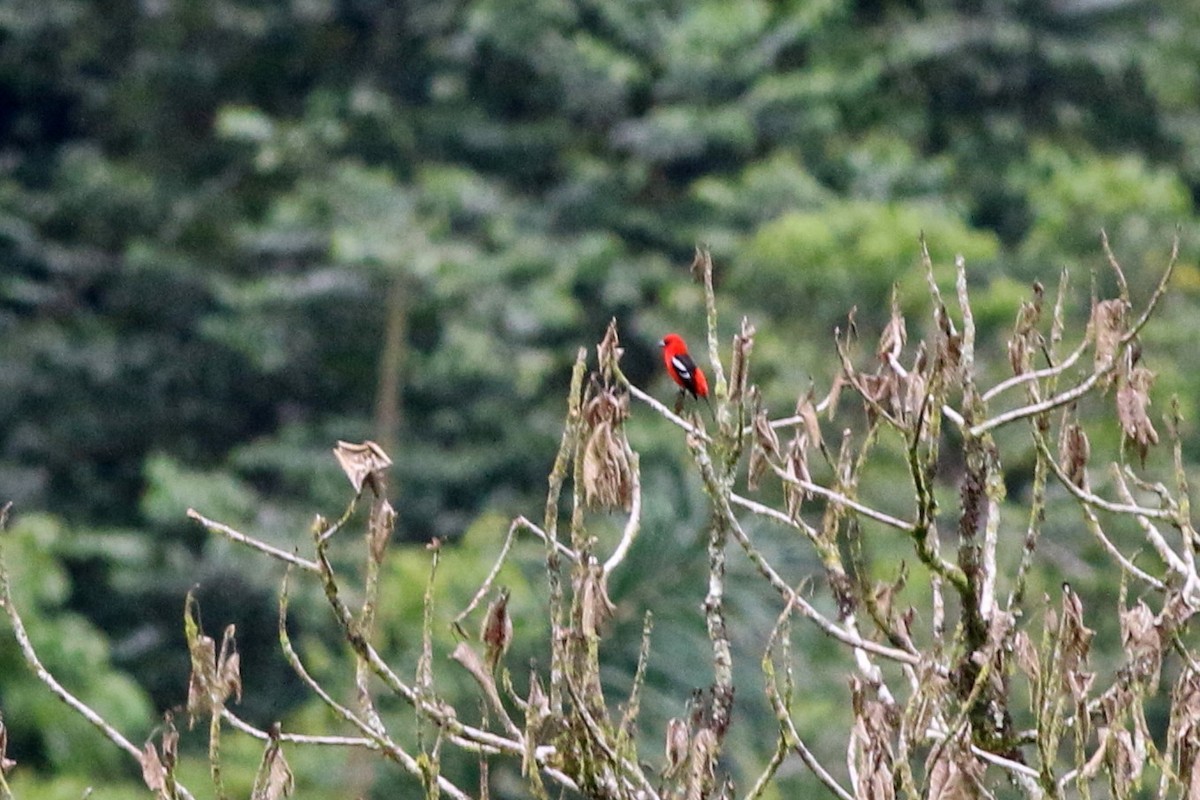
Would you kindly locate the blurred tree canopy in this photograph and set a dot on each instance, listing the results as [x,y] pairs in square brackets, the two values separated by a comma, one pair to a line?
[232,232]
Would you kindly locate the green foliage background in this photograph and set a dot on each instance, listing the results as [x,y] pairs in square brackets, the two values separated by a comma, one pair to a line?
[212,214]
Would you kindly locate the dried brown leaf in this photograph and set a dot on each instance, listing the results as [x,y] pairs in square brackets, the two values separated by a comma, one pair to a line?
[153,772]
[764,448]
[1133,400]
[676,748]
[834,394]
[1027,656]
[1018,354]
[1074,450]
[1183,741]
[1126,757]
[796,466]
[380,527]
[879,391]
[365,464]
[170,743]
[956,775]
[607,459]
[497,630]
[872,753]
[594,606]
[895,334]
[1142,643]
[808,412]
[609,351]
[739,371]
[1075,646]
[916,389]
[231,678]
[203,677]
[607,473]
[1107,327]
[274,779]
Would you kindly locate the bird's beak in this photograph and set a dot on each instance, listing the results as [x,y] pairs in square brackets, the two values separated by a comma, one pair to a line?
[662,343]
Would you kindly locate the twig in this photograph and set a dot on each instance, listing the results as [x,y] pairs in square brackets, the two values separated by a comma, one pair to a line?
[1153,535]
[775,514]
[663,410]
[297,738]
[1040,374]
[842,500]
[1088,498]
[250,541]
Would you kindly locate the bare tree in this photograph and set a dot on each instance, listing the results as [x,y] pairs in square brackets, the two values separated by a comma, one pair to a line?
[976,691]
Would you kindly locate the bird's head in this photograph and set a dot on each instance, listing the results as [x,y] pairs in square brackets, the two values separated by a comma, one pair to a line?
[672,340]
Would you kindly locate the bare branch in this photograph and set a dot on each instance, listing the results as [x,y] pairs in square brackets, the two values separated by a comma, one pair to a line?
[250,541]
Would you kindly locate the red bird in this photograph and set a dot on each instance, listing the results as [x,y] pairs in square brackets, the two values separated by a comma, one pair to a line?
[681,368]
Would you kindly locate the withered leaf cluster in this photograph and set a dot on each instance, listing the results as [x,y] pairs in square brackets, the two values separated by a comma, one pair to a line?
[608,460]
[873,752]
[795,462]
[1133,402]
[956,774]
[1183,732]
[214,676]
[898,392]
[594,606]
[1075,643]
[1025,337]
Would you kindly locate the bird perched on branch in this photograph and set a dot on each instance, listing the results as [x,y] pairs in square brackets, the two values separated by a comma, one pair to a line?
[683,369]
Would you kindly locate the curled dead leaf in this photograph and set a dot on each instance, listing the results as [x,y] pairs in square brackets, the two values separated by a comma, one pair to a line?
[608,461]
[1143,644]
[676,748]
[594,606]
[1074,450]
[274,779]
[796,466]
[497,630]
[153,773]
[213,678]
[1075,645]
[1107,327]
[743,344]
[609,352]
[1133,400]
[895,333]
[365,464]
